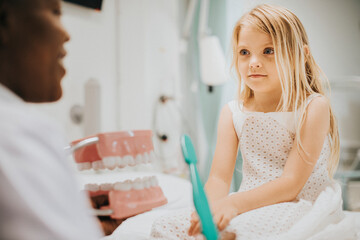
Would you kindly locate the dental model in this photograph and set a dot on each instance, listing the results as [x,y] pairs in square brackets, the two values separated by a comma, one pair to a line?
[115,149]
[129,198]
[120,149]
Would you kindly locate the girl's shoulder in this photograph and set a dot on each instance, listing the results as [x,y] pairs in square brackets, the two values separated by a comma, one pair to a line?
[236,105]
[317,104]
[316,97]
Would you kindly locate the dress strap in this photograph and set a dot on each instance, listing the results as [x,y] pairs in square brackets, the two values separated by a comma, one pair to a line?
[311,97]
[235,106]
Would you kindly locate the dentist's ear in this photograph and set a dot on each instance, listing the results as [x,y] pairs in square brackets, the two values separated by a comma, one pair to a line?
[306,50]
[3,24]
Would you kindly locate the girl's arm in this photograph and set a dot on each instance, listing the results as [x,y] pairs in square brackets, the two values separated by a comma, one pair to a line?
[222,168]
[298,167]
[219,181]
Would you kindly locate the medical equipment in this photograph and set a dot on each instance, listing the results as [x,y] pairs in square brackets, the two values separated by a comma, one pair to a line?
[212,58]
[211,55]
[169,122]
[200,201]
[120,149]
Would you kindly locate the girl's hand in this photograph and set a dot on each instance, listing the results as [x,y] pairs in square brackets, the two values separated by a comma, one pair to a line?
[194,224]
[223,211]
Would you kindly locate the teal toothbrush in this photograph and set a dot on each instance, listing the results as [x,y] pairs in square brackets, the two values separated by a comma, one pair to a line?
[200,201]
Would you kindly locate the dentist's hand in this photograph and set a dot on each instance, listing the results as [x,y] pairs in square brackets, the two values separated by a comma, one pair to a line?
[107,224]
[223,211]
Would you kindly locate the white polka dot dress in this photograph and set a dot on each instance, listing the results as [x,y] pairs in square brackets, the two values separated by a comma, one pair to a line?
[265,142]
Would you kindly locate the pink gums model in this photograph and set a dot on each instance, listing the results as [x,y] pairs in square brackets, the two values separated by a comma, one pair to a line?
[120,149]
[129,198]
[115,149]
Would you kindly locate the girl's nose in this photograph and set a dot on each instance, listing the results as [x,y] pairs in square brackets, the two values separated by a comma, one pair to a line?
[255,63]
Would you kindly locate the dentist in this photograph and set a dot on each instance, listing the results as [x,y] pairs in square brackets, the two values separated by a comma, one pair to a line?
[38,198]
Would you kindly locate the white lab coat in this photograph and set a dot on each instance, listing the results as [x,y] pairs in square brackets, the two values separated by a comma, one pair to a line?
[39,198]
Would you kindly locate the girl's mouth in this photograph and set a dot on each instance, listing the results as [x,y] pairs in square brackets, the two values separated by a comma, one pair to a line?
[256,75]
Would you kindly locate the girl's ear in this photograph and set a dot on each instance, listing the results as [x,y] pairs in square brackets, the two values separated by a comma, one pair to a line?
[306,50]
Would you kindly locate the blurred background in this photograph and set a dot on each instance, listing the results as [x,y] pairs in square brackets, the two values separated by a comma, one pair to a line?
[139,64]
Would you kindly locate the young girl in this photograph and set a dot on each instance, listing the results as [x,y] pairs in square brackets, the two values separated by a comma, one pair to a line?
[288,138]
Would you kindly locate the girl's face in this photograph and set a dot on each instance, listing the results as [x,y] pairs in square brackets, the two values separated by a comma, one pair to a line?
[256,61]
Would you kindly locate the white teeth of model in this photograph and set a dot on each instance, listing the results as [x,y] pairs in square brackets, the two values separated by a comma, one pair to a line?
[96,165]
[117,159]
[84,166]
[138,159]
[106,186]
[146,181]
[122,186]
[138,184]
[120,162]
[119,186]
[154,182]
[93,187]
[128,184]
[152,156]
[127,160]
[109,162]
[131,161]
[146,158]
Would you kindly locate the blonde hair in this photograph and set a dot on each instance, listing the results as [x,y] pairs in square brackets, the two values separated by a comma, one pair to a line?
[299,74]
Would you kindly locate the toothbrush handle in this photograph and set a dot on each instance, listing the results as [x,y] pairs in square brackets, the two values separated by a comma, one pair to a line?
[86,142]
[102,212]
[202,205]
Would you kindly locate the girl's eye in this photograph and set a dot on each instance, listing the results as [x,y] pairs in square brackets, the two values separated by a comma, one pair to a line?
[268,51]
[244,52]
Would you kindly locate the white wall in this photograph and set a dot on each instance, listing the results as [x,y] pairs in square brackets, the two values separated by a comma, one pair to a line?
[149,66]
[149,58]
